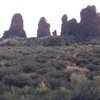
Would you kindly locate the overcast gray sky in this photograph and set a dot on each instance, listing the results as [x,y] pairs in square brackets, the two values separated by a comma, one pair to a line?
[32,10]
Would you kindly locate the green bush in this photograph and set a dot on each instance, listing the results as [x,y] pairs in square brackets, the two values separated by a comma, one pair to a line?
[54,41]
[30,93]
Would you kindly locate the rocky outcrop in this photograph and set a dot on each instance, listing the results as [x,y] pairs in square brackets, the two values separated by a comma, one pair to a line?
[43,28]
[54,33]
[89,26]
[87,29]
[71,26]
[64,24]
[88,14]
[68,27]
[16,27]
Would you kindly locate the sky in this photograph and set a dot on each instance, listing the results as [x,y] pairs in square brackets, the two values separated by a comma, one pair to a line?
[33,10]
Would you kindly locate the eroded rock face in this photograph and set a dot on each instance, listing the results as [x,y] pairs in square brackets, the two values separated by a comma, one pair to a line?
[71,26]
[16,27]
[89,26]
[68,27]
[64,24]
[43,28]
[87,29]
[88,14]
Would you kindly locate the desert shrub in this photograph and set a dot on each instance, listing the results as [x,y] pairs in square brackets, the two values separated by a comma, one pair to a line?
[43,70]
[97,52]
[56,64]
[29,68]
[97,77]
[36,82]
[94,42]
[90,75]
[76,80]
[41,60]
[42,87]
[60,74]
[7,56]
[9,70]
[14,69]
[55,83]
[35,76]
[44,57]
[13,42]
[55,41]
[58,79]
[93,67]
[16,80]
[56,95]
[92,57]
[60,65]
[3,88]
[70,58]
[96,60]
[30,42]
[2,73]
[86,91]
[30,93]
[81,61]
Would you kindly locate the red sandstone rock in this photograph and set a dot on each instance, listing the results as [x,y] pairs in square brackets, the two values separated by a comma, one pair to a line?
[71,26]
[16,27]
[89,25]
[64,24]
[68,27]
[88,28]
[43,28]
[54,33]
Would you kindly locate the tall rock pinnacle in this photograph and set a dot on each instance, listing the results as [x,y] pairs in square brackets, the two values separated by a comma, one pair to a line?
[16,27]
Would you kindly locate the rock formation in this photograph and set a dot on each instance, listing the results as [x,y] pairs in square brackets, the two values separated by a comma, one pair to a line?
[54,33]
[64,24]
[87,29]
[88,13]
[71,26]
[89,26]
[16,27]
[68,27]
[43,28]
